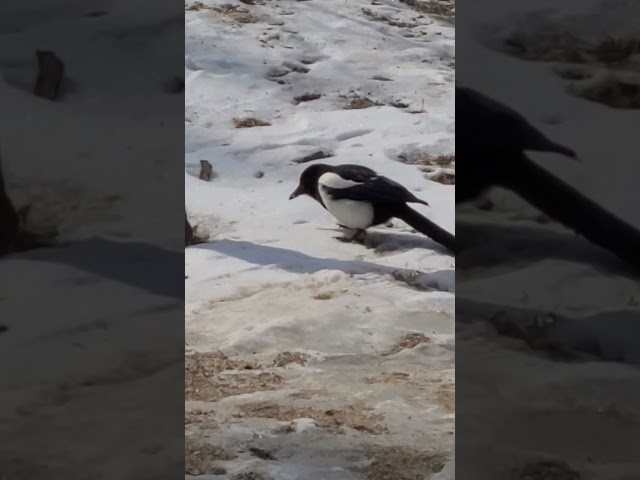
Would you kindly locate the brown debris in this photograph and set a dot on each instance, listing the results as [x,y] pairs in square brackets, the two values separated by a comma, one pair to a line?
[287,358]
[440,168]
[251,476]
[204,380]
[360,102]
[285,429]
[358,417]
[390,378]
[567,48]
[446,397]
[200,457]
[201,418]
[206,170]
[309,393]
[411,340]
[423,158]
[194,7]
[263,454]
[234,13]
[445,178]
[441,9]
[307,97]
[249,122]
[294,67]
[388,20]
[613,90]
[401,463]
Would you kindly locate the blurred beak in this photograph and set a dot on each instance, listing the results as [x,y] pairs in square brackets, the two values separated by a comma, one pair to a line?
[296,193]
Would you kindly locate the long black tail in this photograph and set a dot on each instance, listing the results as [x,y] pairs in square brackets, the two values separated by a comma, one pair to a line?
[9,221]
[571,208]
[427,227]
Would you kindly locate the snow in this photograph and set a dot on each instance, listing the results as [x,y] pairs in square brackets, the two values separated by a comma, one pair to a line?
[272,279]
[86,165]
[551,409]
[605,172]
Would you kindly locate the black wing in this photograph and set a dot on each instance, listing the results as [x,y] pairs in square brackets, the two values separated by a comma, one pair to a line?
[355,173]
[376,189]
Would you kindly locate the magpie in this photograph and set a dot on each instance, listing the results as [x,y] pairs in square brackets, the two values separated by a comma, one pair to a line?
[358,197]
[491,144]
[490,123]
[490,138]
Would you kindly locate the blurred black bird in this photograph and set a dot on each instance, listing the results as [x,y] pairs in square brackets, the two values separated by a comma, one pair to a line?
[491,141]
[358,197]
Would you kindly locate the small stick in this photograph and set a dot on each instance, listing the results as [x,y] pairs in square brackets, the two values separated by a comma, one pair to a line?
[206,170]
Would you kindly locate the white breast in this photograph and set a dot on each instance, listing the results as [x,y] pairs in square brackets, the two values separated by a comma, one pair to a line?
[350,213]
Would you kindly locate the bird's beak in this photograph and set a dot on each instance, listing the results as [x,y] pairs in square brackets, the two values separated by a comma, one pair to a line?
[296,193]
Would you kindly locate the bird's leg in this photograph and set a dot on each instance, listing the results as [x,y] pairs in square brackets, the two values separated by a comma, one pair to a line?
[357,237]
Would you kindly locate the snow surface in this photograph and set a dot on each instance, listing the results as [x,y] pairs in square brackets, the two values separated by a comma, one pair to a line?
[74,378]
[574,412]
[272,279]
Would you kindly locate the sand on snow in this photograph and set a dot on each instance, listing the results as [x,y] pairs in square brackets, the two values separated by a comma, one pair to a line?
[309,358]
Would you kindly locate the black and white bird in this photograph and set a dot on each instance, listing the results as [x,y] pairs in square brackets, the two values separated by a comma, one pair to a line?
[492,141]
[358,197]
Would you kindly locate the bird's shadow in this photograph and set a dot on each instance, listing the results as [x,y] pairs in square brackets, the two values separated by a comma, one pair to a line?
[392,242]
[488,245]
[297,262]
[389,241]
[141,265]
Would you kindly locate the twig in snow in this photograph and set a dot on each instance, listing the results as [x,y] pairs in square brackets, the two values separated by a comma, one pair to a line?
[206,170]
[320,154]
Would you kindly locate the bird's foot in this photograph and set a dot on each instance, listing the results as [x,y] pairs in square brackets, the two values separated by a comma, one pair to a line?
[344,239]
[357,237]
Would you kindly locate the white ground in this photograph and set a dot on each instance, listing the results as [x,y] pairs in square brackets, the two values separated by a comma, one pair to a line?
[250,291]
[577,413]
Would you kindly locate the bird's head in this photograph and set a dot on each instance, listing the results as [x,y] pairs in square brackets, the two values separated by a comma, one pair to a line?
[308,183]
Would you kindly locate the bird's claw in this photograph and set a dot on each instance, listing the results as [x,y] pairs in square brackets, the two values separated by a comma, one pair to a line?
[358,237]
[344,239]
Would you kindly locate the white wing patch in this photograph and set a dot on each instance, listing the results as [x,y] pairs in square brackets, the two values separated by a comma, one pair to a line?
[334,180]
[350,213]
